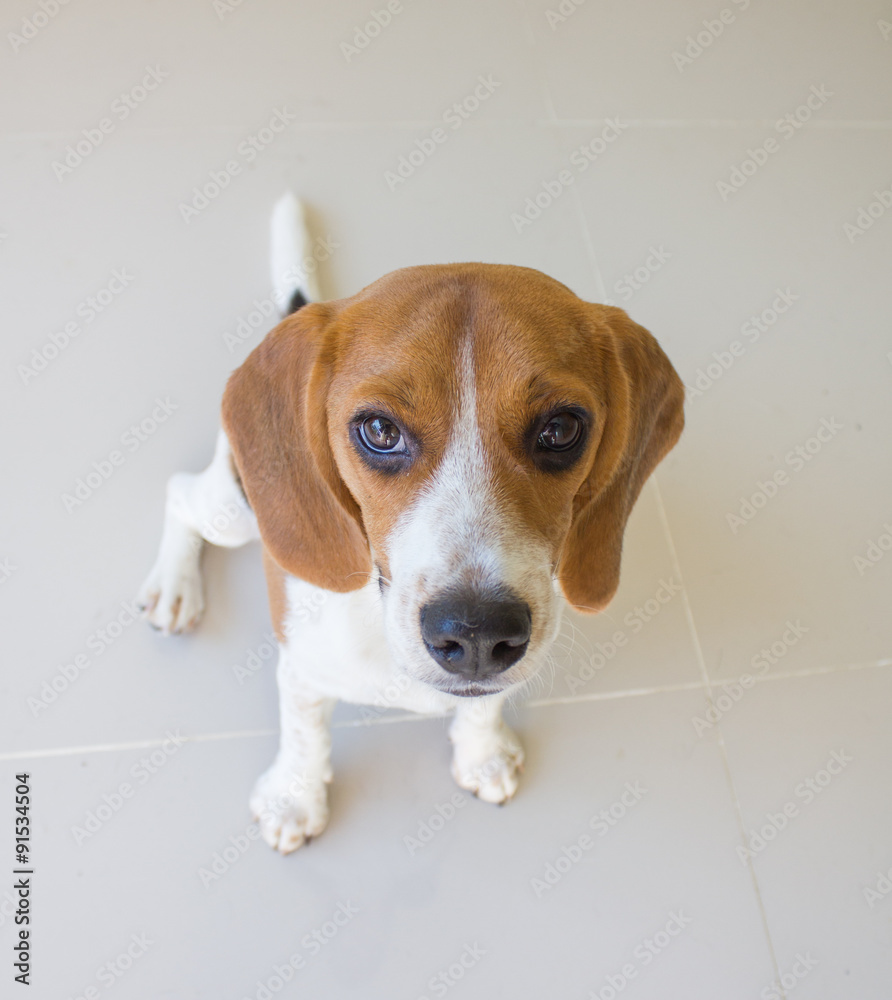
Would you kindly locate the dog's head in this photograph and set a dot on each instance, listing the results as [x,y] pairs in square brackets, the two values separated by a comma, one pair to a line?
[469,431]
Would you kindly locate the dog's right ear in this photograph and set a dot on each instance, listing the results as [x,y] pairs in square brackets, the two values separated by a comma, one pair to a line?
[645,416]
[274,414]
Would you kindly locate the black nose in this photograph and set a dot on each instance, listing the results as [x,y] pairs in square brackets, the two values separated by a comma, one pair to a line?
[476,635]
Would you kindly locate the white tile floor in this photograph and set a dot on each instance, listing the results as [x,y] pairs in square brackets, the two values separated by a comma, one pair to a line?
[786,581]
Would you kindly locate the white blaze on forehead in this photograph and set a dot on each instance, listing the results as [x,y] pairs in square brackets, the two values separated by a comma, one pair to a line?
[454,526]
[461,532]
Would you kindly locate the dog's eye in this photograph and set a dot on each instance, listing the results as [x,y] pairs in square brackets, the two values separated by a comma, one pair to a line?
[561,432]
[381,435]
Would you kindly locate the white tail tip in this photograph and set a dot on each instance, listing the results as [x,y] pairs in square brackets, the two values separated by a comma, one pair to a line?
[291,254]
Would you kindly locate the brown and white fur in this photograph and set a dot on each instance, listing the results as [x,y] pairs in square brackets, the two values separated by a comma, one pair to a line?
[436,571]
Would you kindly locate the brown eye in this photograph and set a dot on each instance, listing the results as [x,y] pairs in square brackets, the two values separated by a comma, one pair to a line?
[561,432]
[381,435]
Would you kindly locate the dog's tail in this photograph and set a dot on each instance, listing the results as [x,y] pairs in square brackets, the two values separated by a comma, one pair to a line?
[291,257]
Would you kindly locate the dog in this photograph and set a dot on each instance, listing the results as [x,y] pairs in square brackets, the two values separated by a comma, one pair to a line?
[432,466]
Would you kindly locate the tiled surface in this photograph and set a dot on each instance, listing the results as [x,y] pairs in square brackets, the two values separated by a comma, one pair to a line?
[780,599]
[814,872]
[657,61]
[419,906]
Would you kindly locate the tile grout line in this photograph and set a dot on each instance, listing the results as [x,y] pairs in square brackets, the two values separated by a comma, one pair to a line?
[594,696]
[818,671]
[553,123]
[701,661]
[613,695]
[539,69]
[589,246]
[702,685]
[877,124]
[133,745]
[865,124]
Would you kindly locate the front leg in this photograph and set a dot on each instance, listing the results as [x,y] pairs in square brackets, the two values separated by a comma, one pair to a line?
[290,800]
[487,758]
[209,507]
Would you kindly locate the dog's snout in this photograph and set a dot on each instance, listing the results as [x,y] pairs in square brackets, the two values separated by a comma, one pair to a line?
[476,636]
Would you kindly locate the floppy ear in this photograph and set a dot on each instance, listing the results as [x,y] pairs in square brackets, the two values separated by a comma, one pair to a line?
[274,414]
[645,417]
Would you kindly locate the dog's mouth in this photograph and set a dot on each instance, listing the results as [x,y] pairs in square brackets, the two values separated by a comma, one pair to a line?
[475,691]
[470,689]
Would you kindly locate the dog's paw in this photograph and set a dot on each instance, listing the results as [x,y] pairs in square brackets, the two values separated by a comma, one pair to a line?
[291,808]
[489,764]
[172,598]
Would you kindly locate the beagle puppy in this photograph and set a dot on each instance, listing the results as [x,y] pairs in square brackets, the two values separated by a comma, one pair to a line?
[429,465]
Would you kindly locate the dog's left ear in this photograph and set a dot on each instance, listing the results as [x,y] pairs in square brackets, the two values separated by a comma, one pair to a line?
[645,416]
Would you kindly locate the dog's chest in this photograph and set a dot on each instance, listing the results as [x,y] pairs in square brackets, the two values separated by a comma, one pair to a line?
[336,644]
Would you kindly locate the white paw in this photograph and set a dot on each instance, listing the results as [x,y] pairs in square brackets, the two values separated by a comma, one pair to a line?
[291,808]
[172,597]
[488,763]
